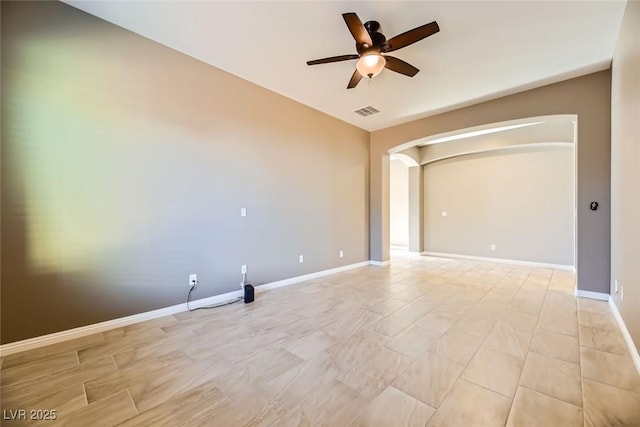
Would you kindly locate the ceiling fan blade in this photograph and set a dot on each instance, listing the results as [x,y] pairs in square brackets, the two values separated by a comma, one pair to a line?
[333,59]
[410,37]
[355,79]
[356,28]
[399,66]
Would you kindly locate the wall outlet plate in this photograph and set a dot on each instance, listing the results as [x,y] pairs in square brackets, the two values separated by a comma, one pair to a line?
[341,253]
[193,280]
[621,293]
[301,258]
[243,269]
[493,246]
[615,286]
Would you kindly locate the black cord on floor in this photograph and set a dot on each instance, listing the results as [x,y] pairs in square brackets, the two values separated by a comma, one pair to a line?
[209,306]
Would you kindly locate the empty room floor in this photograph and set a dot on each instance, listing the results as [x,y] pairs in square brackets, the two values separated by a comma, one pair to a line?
[422,342]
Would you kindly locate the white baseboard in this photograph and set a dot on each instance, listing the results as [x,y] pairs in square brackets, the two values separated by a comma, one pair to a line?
[633,350]
[310,276]
[56,337]
[593,295]
[502,261]
[379,263]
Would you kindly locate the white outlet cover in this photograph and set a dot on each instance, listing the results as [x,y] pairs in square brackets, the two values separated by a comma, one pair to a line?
[301,258]
[193,278]
[341,254]
[243,269]
[243,211]
[615,286]
[493,247]
[445,213]
[621,293]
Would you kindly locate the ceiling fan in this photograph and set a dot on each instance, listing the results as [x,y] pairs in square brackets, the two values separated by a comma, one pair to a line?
[372,47]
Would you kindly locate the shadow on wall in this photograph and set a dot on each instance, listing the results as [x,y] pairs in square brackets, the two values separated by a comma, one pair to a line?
[121,176]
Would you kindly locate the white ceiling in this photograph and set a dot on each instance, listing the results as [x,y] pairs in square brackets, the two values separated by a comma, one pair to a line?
[483,50]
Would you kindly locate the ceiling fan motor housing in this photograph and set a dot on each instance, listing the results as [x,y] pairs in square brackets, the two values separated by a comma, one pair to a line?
[377,38]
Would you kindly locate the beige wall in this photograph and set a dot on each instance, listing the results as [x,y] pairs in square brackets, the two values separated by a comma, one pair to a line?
[416,209]
[125,165]
[399,203]
[520,199]
[625,170]
[588,97]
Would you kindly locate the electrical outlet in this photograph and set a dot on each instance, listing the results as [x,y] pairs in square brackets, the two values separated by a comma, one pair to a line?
[243,211]
[493,246]
[621,293]
[615,286]
[341,253]
[444,213]
[301,259]
[243,269]
[193,280]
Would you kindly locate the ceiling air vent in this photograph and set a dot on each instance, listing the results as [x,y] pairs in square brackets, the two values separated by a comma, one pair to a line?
[366,111]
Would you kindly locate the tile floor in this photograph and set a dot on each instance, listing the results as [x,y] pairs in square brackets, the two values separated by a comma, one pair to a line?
[422,342]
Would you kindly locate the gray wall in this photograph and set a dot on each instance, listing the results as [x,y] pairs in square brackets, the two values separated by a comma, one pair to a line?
[589,97]
[520,199]
[399,203]
[125,165]
[625,170]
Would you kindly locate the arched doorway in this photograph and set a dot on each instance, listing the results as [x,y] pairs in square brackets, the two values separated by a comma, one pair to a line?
[502,191]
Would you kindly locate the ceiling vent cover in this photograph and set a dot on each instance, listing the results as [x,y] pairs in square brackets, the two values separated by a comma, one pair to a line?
[366,111]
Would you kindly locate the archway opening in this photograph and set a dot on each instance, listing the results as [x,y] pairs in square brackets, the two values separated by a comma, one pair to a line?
[503,191]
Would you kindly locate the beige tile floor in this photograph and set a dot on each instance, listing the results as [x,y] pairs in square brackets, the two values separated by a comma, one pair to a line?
[422,342]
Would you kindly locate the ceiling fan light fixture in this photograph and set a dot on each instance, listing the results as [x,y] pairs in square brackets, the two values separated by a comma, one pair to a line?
[370,44]
[370,65]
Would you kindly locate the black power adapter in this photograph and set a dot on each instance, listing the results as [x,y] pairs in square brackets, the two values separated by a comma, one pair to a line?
[248,293]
